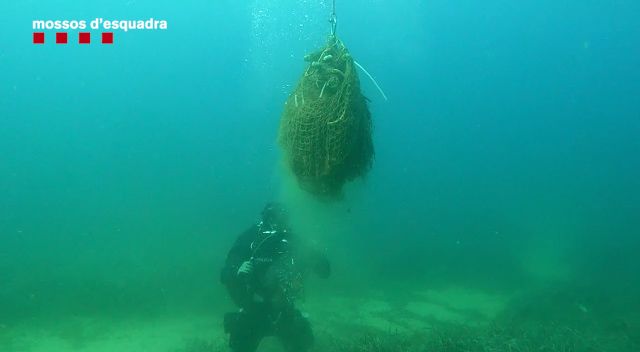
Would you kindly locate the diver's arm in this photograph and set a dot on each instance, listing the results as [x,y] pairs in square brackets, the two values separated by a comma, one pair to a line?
[237,285]
[316,260]
[236,256]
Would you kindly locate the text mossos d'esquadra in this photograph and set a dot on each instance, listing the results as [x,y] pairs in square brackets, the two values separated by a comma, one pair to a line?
[100,23]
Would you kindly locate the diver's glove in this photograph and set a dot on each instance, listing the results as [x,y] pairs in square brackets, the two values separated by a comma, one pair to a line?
[245,268]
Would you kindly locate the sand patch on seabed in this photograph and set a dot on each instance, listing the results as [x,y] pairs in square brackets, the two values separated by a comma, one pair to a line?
[422,310]
[181,334]
[330,316]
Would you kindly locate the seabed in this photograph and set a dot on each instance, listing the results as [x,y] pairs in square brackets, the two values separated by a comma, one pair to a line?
[447,319]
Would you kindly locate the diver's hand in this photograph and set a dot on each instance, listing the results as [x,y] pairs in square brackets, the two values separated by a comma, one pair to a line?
[245,268]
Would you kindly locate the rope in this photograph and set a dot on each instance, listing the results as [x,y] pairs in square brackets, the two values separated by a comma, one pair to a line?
[333,19]
[371,78]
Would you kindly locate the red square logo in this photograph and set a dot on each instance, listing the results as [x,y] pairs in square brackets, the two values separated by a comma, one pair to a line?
[61,38]
[38,38]
[107,38]
[84,38]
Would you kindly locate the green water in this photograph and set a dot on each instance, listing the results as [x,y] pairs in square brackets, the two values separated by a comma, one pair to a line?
[501,213]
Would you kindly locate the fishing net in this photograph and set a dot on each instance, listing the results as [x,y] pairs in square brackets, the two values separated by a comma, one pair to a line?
[325,129]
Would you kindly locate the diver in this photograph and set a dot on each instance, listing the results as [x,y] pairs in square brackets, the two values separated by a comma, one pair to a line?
[263,274]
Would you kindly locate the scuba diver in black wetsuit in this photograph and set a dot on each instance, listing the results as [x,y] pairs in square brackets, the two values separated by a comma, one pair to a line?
[263,274]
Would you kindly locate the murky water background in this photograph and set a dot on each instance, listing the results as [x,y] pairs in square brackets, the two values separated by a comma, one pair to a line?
[506,185]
